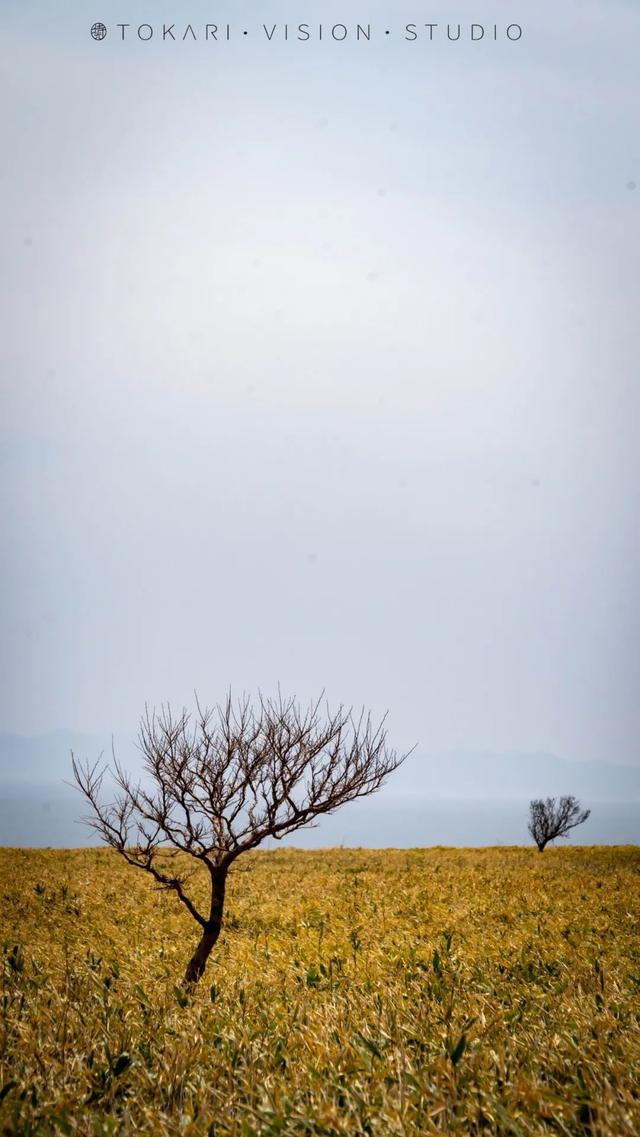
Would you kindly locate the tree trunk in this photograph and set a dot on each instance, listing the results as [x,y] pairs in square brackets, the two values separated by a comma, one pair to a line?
[211,930]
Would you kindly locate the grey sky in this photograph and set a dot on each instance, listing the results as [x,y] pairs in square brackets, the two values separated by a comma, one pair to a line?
[320,366]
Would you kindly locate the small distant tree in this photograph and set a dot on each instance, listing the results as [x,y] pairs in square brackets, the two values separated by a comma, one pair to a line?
[553,818]
[219,782]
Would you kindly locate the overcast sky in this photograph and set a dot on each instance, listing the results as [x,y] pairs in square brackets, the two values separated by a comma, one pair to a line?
[320,366]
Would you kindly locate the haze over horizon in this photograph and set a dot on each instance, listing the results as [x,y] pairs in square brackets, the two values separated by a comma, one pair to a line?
[433,799]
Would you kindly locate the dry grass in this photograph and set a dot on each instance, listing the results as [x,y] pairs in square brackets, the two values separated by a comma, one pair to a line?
[353,992]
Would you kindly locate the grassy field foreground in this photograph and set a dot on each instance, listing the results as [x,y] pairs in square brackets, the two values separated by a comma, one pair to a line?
[486,991]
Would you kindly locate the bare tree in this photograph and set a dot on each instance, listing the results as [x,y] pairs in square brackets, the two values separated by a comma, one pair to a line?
[222,780]
[554,818]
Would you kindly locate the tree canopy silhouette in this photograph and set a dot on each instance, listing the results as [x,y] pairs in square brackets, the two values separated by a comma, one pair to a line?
[220,781]
[551,818]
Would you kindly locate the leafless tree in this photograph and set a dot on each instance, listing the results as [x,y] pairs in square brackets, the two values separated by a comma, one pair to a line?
[219,781]
[554,818]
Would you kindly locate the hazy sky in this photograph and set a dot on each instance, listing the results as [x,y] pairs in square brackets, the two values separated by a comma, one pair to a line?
[320,366]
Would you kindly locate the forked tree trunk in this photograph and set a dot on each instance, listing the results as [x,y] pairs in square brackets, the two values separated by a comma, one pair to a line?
[211,930]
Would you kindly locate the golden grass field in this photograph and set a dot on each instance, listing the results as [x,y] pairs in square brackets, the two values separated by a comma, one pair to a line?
[480,991]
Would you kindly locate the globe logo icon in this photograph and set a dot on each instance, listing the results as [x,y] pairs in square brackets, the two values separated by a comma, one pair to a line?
[98,31]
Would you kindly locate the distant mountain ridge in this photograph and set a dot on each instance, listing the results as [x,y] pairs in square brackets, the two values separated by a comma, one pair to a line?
[46,759]
[489,775]
[482,774]
[455,798]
